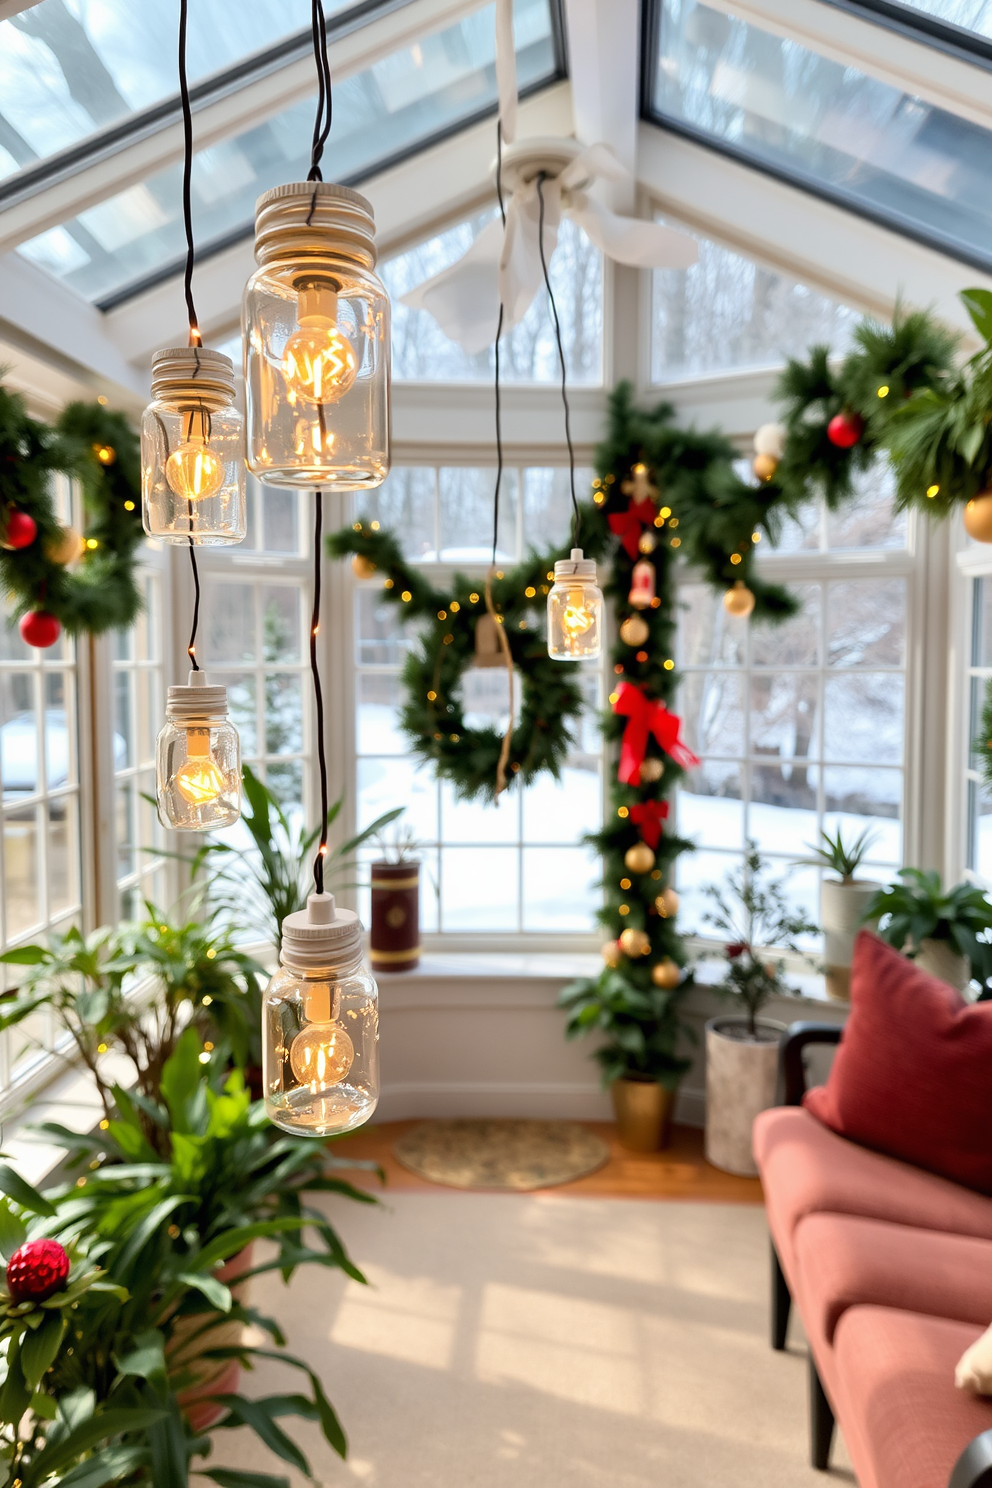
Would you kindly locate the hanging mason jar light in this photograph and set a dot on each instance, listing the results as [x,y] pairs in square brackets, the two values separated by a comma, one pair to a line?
[575,610]
[320,1025]
[192,436]
[316,334]
[198,759]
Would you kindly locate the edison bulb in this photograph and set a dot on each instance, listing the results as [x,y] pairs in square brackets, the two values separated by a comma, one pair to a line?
[318,360]
[577,616]
[199,782]
[194,471]
[321,1054]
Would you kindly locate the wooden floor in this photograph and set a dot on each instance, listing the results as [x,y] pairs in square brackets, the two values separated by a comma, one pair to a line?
[680,1172]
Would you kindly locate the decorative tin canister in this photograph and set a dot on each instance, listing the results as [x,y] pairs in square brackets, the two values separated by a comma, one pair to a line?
[394,942]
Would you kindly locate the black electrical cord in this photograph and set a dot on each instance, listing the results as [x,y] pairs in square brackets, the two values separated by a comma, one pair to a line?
[561,362]
[318,863]
[322,121]
[191,648]
[195,339]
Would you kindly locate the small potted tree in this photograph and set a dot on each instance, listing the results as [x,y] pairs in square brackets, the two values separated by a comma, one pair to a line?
[938,929]
[394,935]
[752,914]
[843,904]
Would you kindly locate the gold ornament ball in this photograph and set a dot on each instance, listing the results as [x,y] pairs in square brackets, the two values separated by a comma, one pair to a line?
[652,770]
[65,548]
[639,858]
[634,942]
[978,517]
[647,542]
[739,600]
[634,631]
[667,903]
[362,567]
[610,952]
[764,466]
[666,973]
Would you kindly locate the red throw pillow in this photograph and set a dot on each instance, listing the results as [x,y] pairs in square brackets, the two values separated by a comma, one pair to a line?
[913,1074]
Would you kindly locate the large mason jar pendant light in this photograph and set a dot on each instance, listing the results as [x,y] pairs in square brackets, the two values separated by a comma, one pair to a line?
[198,759]
[192,467]
[316,336]
[320,1025]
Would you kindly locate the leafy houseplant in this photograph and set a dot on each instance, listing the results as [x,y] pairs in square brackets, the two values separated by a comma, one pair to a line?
[843,903]
[279,862]
[939,929]
[755,919]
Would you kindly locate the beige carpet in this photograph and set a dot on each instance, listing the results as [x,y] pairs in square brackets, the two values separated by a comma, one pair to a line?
[544,1341]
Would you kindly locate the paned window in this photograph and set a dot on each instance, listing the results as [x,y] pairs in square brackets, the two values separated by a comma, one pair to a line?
[138,686]
[979,841]
[800,725]
[518,867]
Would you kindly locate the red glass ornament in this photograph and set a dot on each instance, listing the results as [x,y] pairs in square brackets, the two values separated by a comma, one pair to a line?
[845,429]
[20,531]
[36,1270]
[39,628]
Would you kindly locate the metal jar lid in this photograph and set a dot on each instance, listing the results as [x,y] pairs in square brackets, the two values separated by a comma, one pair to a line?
[575,567]
[314,220]
[192,374]
[195,701]
[321,937]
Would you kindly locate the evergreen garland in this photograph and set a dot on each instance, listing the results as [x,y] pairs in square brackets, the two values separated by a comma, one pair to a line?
[99,592]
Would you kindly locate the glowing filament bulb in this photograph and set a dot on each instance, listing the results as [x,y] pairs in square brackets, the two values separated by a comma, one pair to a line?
[199,781]
[321,1054]
[577,616]
[318,360]
[193,471]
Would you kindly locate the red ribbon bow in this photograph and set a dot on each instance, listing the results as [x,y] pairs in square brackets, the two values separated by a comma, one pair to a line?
[649,815]
[647,716]
[627,525]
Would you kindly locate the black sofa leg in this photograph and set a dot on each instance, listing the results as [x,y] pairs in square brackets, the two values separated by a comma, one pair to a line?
[821,1422]
[781,1303]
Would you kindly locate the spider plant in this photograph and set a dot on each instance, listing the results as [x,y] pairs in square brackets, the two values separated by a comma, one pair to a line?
[842,858]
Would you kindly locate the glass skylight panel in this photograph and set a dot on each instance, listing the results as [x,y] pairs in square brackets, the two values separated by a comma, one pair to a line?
[401,103]
[969,15]
[830,128]
[71,68]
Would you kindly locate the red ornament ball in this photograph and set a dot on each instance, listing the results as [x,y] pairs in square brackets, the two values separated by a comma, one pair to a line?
[36,1270]
[20,531]
[845,429]
[40,629]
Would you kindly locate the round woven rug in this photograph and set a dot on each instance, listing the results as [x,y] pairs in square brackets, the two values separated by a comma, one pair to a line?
[510,1155]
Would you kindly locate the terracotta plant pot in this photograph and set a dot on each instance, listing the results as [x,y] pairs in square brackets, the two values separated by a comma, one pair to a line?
[644,1113]
[842,908]
[940,959]
[394,939]
[211,1376]
[741,1081]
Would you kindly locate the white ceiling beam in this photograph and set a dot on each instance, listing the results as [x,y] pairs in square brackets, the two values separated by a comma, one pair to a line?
[819,244]
[241,107]
[916,67]
[57,328]
[426,191]
[603,42]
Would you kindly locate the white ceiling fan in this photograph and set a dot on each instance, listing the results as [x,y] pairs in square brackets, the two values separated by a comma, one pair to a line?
[504,266]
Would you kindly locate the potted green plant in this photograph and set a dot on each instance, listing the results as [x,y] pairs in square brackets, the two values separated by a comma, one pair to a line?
[752,914]
[394,930]
[939,929]
[640,1028]
[843,903]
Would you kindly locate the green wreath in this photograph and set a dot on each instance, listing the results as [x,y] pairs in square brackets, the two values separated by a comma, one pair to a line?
[88,585]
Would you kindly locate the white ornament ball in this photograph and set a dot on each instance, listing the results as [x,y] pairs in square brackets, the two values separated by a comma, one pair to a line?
[770,440]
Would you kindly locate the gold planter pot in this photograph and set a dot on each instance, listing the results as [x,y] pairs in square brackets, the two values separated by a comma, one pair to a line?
[644,1113]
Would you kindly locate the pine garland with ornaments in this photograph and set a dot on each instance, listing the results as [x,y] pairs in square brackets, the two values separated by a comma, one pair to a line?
[54,577]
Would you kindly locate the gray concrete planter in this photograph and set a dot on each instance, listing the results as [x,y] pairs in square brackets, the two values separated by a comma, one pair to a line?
[741,1080]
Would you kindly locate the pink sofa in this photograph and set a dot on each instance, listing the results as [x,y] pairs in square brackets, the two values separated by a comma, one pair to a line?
[891,1270]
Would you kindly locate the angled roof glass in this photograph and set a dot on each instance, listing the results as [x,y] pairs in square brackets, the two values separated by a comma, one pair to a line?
[823,126]
[399,105]
[967,15]
[70,69]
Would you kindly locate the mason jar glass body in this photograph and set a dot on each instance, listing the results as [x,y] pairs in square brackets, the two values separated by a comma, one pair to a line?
[316,342]
[198,770]
[320,1060]
[575,619]
[192,450]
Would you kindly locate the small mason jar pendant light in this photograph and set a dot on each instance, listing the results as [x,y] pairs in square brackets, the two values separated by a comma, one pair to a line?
[320,1025]
[198,759]
[192,471]
[316,335]
[575,610]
